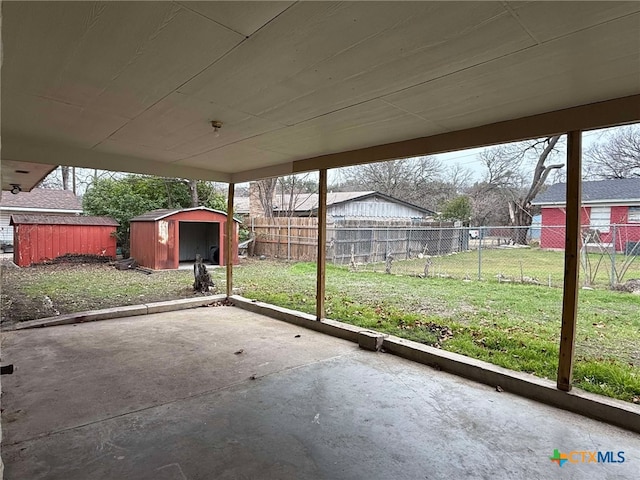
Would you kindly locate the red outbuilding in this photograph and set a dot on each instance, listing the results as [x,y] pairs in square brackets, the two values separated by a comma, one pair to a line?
[38,238]
[161,239]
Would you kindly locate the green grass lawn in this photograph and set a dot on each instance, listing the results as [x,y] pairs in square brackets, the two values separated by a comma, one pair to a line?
[513,325]
[511,264]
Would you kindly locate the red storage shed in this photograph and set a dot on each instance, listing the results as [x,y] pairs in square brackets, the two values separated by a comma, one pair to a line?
[38,238]
[161,239]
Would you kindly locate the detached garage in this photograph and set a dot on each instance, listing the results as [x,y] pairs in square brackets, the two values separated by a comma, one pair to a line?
[38,238]
[161,239]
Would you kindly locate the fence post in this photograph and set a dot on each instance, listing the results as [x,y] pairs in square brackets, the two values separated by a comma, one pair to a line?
[387,245]
[288,238]
[613,256]
[480,235]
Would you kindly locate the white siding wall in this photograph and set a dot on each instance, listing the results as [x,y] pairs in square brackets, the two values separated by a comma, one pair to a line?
[373,208]
[6,231]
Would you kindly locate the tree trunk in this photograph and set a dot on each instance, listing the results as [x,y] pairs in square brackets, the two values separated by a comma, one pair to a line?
[266,189]
[202,278]
[193,189]
[65,177]
[520,210]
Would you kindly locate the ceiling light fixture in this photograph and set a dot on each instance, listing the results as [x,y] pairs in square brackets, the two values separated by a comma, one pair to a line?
[217,125]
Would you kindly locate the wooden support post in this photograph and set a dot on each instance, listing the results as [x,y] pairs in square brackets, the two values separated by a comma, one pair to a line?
[571,259]
[322,242]
[228,248]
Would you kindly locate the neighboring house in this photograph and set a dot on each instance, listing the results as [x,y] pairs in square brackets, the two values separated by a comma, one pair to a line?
[39,201]
[612,207]
[340,206]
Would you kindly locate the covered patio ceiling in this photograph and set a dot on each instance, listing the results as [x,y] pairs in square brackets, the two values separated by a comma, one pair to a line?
[134,86]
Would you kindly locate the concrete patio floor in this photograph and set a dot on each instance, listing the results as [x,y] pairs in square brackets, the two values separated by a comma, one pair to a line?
[166,396]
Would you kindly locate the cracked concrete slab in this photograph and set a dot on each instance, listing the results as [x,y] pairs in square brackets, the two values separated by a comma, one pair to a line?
[168,396]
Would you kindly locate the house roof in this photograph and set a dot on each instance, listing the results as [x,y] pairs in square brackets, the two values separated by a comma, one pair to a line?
[308,202]
[601,191]
[161,213]
[62,220]
[41,199]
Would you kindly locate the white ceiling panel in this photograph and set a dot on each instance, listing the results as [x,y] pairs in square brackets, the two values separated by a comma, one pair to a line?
[345,129]
[234,158]
[182,124]
[568,17]
[134,150]
[349,54]
[106,61]
[242,17]
[56,120]
[410,55]
[580,67]
[135,85]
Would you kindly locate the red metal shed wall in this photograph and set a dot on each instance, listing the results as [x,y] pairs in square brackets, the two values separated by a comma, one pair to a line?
[156,244]
[166,247]
[142,243]
[39,243]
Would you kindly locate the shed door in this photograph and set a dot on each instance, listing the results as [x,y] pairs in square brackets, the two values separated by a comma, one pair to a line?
[199,238]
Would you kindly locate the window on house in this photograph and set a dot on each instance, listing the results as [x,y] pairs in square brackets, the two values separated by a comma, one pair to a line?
[634,215]
[600,218]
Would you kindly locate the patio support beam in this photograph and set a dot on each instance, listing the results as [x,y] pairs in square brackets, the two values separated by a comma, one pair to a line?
[322,242]
[228,248]
[571,259]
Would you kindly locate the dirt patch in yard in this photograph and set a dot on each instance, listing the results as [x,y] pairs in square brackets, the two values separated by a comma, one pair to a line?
[69,287]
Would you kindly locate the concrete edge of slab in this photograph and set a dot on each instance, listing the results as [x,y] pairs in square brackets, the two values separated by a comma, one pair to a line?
[609,410]
[119,312]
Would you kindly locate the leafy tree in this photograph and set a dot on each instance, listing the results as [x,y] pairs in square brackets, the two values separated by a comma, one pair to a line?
[134,195]
[457,209]
[209,197]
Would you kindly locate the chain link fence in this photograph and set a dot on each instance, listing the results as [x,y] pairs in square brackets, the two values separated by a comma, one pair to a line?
[531,255]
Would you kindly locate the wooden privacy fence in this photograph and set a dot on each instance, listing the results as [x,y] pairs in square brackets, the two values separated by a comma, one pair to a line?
[363,241]
[290,238]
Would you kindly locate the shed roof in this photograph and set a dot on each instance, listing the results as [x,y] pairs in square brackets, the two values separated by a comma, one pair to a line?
[62,220]
[41,199]
[601,191]
[161,213]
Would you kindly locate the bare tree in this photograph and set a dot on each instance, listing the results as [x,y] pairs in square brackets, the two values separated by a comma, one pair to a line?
[81,178]
[618,156]
[266,189]
[459,177]
[487,205]
[507,176]
[520,209]
[406,179]
[292,191]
